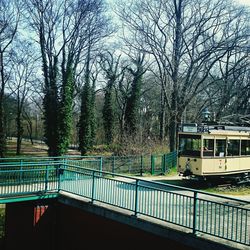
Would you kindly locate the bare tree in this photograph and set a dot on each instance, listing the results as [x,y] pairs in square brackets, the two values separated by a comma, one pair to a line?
[23,75]
[9,19]
[186,38]
[229,82]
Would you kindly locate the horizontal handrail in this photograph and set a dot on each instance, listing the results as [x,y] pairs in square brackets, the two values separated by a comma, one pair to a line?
[135,164]
[208,216]
[26,170]
[198,211]
[160,184]
[41,158]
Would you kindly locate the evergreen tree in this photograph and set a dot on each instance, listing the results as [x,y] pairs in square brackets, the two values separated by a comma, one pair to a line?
[85,131]
[50,103]
[93,116]
[110,66]
[108,113]
[63,30]
[133,101]
[65,111]
[86,116]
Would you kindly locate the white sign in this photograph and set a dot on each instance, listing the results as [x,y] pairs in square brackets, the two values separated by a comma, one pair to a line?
[190,129]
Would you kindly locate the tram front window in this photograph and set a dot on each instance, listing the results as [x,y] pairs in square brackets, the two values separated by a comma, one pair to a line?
[220,148]
[208,147]
[233,147]
[190,145]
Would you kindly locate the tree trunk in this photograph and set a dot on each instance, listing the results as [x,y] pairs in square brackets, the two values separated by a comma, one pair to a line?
[175,76]
[162,117]
[2,131]
[19,133]
[172,133]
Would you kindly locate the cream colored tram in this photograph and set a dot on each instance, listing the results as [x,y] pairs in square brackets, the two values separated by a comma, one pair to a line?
[214,151]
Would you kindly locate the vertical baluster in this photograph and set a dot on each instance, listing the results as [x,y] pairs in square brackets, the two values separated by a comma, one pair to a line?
[194,212]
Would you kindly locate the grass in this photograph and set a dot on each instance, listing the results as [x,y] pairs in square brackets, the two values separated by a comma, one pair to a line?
[29,150]
[243,189]
[232,190]
[2,221]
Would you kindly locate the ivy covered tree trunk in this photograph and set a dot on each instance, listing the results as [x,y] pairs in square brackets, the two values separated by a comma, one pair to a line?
[86,116]
[132,107]
[65,111]
[109,65]
[108,113]
[93,116]
[85,132]
[50,103]
[133,101]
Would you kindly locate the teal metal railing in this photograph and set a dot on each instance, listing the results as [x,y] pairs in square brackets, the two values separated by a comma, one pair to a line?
[200,212]
[133,164]
[36,179]
[140,164]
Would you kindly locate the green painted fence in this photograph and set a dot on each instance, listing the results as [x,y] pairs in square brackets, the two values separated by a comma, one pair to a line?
[200,212]
[133,164]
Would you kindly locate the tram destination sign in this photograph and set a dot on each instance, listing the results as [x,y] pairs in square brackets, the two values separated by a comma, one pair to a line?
[190,128]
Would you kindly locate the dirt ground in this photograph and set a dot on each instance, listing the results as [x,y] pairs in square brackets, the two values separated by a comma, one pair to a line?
[29,149]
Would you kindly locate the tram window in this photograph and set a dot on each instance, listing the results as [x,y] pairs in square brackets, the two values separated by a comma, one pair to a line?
[190,145]
[245,147]
[208,147]
[220,148]
[233,147]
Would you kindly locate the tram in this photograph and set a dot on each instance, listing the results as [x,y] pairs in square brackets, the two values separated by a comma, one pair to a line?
[214,152]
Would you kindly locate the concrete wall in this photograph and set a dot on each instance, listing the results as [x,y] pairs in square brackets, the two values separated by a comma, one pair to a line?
[62,226]
[25,230]
[78,228]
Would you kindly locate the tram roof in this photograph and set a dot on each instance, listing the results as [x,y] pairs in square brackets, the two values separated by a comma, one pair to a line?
[212,128]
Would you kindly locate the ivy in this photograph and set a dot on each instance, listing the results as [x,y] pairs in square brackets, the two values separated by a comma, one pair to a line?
[65,111]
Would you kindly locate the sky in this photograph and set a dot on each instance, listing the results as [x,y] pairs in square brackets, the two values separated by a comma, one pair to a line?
[245,2]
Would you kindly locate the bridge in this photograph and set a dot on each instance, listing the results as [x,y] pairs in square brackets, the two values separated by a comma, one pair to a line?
[164,211]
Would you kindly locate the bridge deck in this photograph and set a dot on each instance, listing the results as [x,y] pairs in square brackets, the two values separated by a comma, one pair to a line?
[199,213]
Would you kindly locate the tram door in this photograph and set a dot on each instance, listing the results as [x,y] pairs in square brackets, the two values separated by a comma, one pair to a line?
[220,154]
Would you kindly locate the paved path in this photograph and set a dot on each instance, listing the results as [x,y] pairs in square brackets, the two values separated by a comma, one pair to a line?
[214,215]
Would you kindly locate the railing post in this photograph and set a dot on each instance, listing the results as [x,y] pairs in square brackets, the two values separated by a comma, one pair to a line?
[113,166]
[194,212]
[101,165]
[152,164]
[174,159]
[141,166]
[21,172]
[93,187]
[46,178]
[58,171]
[65,162]
[163,164]
[136,197]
